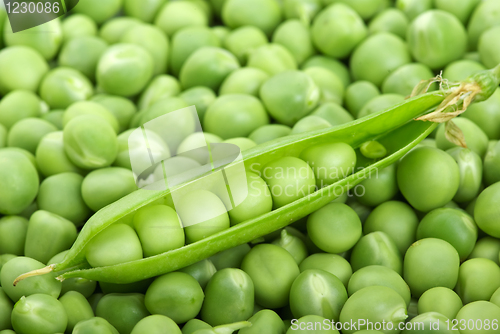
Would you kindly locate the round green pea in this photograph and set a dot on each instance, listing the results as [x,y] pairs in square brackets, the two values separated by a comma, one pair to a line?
[404,79]
[441,300]
[123,311]
[379,187]
[348,26]
[50,156]
[495,298]
[55,117]
[19,105]
[272,58]
[76,307]
[161,87]
[310,123]
[475,138]
[94,325]
[98,10]
[471,173]
[82,53]
[428,178]
[461,69]
[487,115]
[391,20]
[123,109]
[293,244]
[486,210]
[246,80]
[335,66]
[263,14]
[39,313]
[332,263]
[478,312]
[194,325]
[358,94]
[241,41]
[230,258]
[156,324]
[413,8]
[64,86]
[330,85]
[176,295]
[201,97]
[301,9]
[6,306]
[333,114]
[174,16]
[144,11]
[262,321]
[296,37]
[13,234]
[113,30]
[202,271]
[487,248]
[269,132]
[379,103]
[242,142]
[484,17]
[478,279]
[90,108]
[78,25]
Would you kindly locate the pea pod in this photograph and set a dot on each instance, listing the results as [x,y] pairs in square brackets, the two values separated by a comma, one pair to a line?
[392,128]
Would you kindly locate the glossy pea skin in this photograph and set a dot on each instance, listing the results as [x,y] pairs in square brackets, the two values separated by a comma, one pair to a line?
[263,14]
[229,297]
[51,158]
[264,321]
[145,12]
[461,69]
[194,325]
[241,41]
[124,69]
[78,25]
[289,96]
[293,244]
[288,179]
[112,30]
[379,103]
[201,97]
[90,108]
[242,142]
[123,311]
[397,219]
[334,228]
[61,194]
[272,58]
[463,11]
[413,8]
[390,20]
[377,56]
[430,263]
[349,29]
[269,132]
[374,304]
[122,108]
[251,115]
[48,234]
[428,178]
[76,307]
[64,86]
[176,295]
[317,292]
[161,87]
[174,16]
[404,79]
[156,324]
[208,66]
[247,80]
[6,306]
[478,279]
[358,94]
[335,66]
[495,298]
[330,85]
[99,11]
[441,300]
[272,270]
[478,312]
[487,209]
[39,313]
[475,138]
[96,325]
[333,114]
[21,68]
[332,263]
[451,225]
[484,17]
[13,234]
[230,258]
[310,123]
[28,132]
[376,248]
[486,115]
[80,142]
[487,248]
[202,271]
[378,188]
[82,53]
[296,37]
[471,173]
[18,182]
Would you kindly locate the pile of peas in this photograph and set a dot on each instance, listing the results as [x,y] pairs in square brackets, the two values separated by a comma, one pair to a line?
[416,243]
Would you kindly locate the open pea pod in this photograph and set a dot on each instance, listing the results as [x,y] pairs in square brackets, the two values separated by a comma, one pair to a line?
[394,128]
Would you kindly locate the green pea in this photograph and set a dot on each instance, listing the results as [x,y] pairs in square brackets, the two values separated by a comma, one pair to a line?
[243,40]
[113,30]
[373,150]
[176,295]
[397,219]
[82,285]
[269,132]
[55,117]
[145,12]
[129,75]
[429,322]
[90,108]
[335,66]
[413,8]
[332,263]
[202,271]
[317,292]
[289,96]
[378,56]
[18,182]
[495,299]
[483,18]
[462,69]
[272,58]
[230,258]
[95,325]
[331,87]
[82,53]
[194,325]
[246,80]
[441,300]
[475,138]
[99,11]
[428,178]
[47,44]
[264,321]
[305,10]
[478,312]
[404,79]
[156,324]
[76,307]
[462,12]
[487,248]
[4,258]
[201,97]
[13,234]
[358,94]
[48,234]
[333,114]
[78,25]
[430,263]
[310,123]
[51,158]
[21,68]
[296,37]
[196,140]
[293,244]
[64,86]
[208,66]
[263,14]
[6,306]
[376,248]
[122,108]
[374,304]
[161,87]
[174,16]
[19,105]
[380,103]
[45,284]
[478,279]
[123,311]
[378,188]
[39,313]
[348,25]
[486,115]
[116,244]
[391,20]
[288,179]
[471,172]
[3,136]
[485,208]
[242,142]
[436,38]
[272,270]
